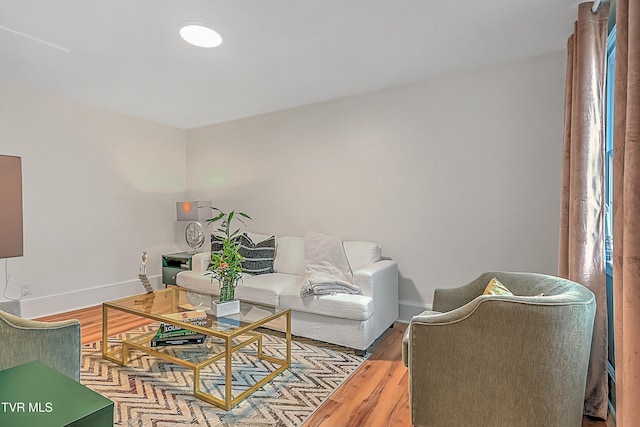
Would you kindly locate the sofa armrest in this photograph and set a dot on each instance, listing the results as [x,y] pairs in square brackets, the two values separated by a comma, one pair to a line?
[55,343]
[379,274]
[380,282]
[200,261]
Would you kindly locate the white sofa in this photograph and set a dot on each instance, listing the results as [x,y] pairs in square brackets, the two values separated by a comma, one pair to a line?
[353,321]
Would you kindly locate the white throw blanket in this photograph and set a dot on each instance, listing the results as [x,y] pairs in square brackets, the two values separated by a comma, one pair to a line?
[324,288]
[327,268]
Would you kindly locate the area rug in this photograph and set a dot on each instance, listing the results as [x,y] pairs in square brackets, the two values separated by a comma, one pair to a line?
[152,392]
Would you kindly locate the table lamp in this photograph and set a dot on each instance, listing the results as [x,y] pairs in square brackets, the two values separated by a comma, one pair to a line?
[194,211]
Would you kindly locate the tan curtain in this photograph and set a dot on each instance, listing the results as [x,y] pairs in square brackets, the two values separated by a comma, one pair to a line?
[581,255]
[626,213]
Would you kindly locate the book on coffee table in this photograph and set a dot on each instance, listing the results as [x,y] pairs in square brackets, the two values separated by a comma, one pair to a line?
[195,317]
[188,339]
[178,333]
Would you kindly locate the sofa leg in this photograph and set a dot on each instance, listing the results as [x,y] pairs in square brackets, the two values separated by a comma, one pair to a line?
[360,352]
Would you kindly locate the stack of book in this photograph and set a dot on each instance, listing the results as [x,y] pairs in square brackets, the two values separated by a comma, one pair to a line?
[168,334]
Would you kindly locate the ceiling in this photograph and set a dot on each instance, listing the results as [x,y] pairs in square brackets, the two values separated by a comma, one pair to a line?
[127,56]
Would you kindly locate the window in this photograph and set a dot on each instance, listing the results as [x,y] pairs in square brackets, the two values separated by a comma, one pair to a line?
[611,66]
[608,216]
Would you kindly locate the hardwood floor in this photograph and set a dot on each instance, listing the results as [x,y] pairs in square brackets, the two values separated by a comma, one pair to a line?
[376,394]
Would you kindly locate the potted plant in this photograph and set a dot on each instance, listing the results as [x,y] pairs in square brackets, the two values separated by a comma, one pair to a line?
[226,266]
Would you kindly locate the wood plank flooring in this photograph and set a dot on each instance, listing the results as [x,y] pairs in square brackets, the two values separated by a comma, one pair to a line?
[376,394]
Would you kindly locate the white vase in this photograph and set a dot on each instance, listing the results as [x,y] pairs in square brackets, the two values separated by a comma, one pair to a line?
[224,308]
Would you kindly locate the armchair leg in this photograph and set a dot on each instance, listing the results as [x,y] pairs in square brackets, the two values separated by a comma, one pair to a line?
[360,352]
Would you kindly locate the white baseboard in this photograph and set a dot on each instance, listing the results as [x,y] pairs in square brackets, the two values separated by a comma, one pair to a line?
[408,309]
[74,300]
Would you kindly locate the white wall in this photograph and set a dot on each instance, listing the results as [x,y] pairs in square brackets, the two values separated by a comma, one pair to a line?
[453,176]
[98,188]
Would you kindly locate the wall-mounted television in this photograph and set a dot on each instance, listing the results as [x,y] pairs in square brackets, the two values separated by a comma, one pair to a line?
[11,244]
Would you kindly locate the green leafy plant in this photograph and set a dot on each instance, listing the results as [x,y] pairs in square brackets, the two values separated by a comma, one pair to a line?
[226,266]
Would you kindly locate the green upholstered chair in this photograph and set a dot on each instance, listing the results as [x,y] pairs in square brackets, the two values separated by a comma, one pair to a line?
[56,344]
[511,361]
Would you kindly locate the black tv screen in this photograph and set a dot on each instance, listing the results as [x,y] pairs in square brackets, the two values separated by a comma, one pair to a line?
[11,244]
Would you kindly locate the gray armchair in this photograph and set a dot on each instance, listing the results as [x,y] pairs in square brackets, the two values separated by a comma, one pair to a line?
[501,360]
[56,344]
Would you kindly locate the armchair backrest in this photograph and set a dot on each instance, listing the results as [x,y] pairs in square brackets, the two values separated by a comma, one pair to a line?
[56,344]
[554,290]
[502,360]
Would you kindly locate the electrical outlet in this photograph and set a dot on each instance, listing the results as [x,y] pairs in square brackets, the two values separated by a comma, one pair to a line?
[26,289]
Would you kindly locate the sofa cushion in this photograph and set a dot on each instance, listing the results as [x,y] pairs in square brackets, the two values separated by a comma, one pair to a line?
[197,281]
[361,254]
[258,255]
[266,288]
[345,306]
[325,253]
[327,266]
[263,288]
[289,255]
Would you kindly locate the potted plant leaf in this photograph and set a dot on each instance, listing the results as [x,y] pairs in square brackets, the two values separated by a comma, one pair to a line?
[226,265]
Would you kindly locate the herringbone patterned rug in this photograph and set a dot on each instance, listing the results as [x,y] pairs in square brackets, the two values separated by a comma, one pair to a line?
[152,392]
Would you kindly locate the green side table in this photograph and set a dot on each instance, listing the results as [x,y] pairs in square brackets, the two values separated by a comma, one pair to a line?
[172,264]
[36,395]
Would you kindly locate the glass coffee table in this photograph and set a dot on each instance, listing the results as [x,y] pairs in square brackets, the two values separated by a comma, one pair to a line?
[224,337]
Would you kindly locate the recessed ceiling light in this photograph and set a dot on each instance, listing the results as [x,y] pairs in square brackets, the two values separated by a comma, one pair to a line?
[199,35]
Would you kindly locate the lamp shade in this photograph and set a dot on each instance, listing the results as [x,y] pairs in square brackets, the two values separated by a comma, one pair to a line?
[11,244]
[193,211]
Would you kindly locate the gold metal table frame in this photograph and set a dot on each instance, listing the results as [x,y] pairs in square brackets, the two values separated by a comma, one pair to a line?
[157,305]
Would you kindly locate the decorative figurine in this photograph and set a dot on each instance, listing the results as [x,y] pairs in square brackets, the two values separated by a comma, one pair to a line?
[143,273]
[143,265]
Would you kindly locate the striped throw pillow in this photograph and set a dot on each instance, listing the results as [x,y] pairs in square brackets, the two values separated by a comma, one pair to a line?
[216,247]
[258,256]
[216,244]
